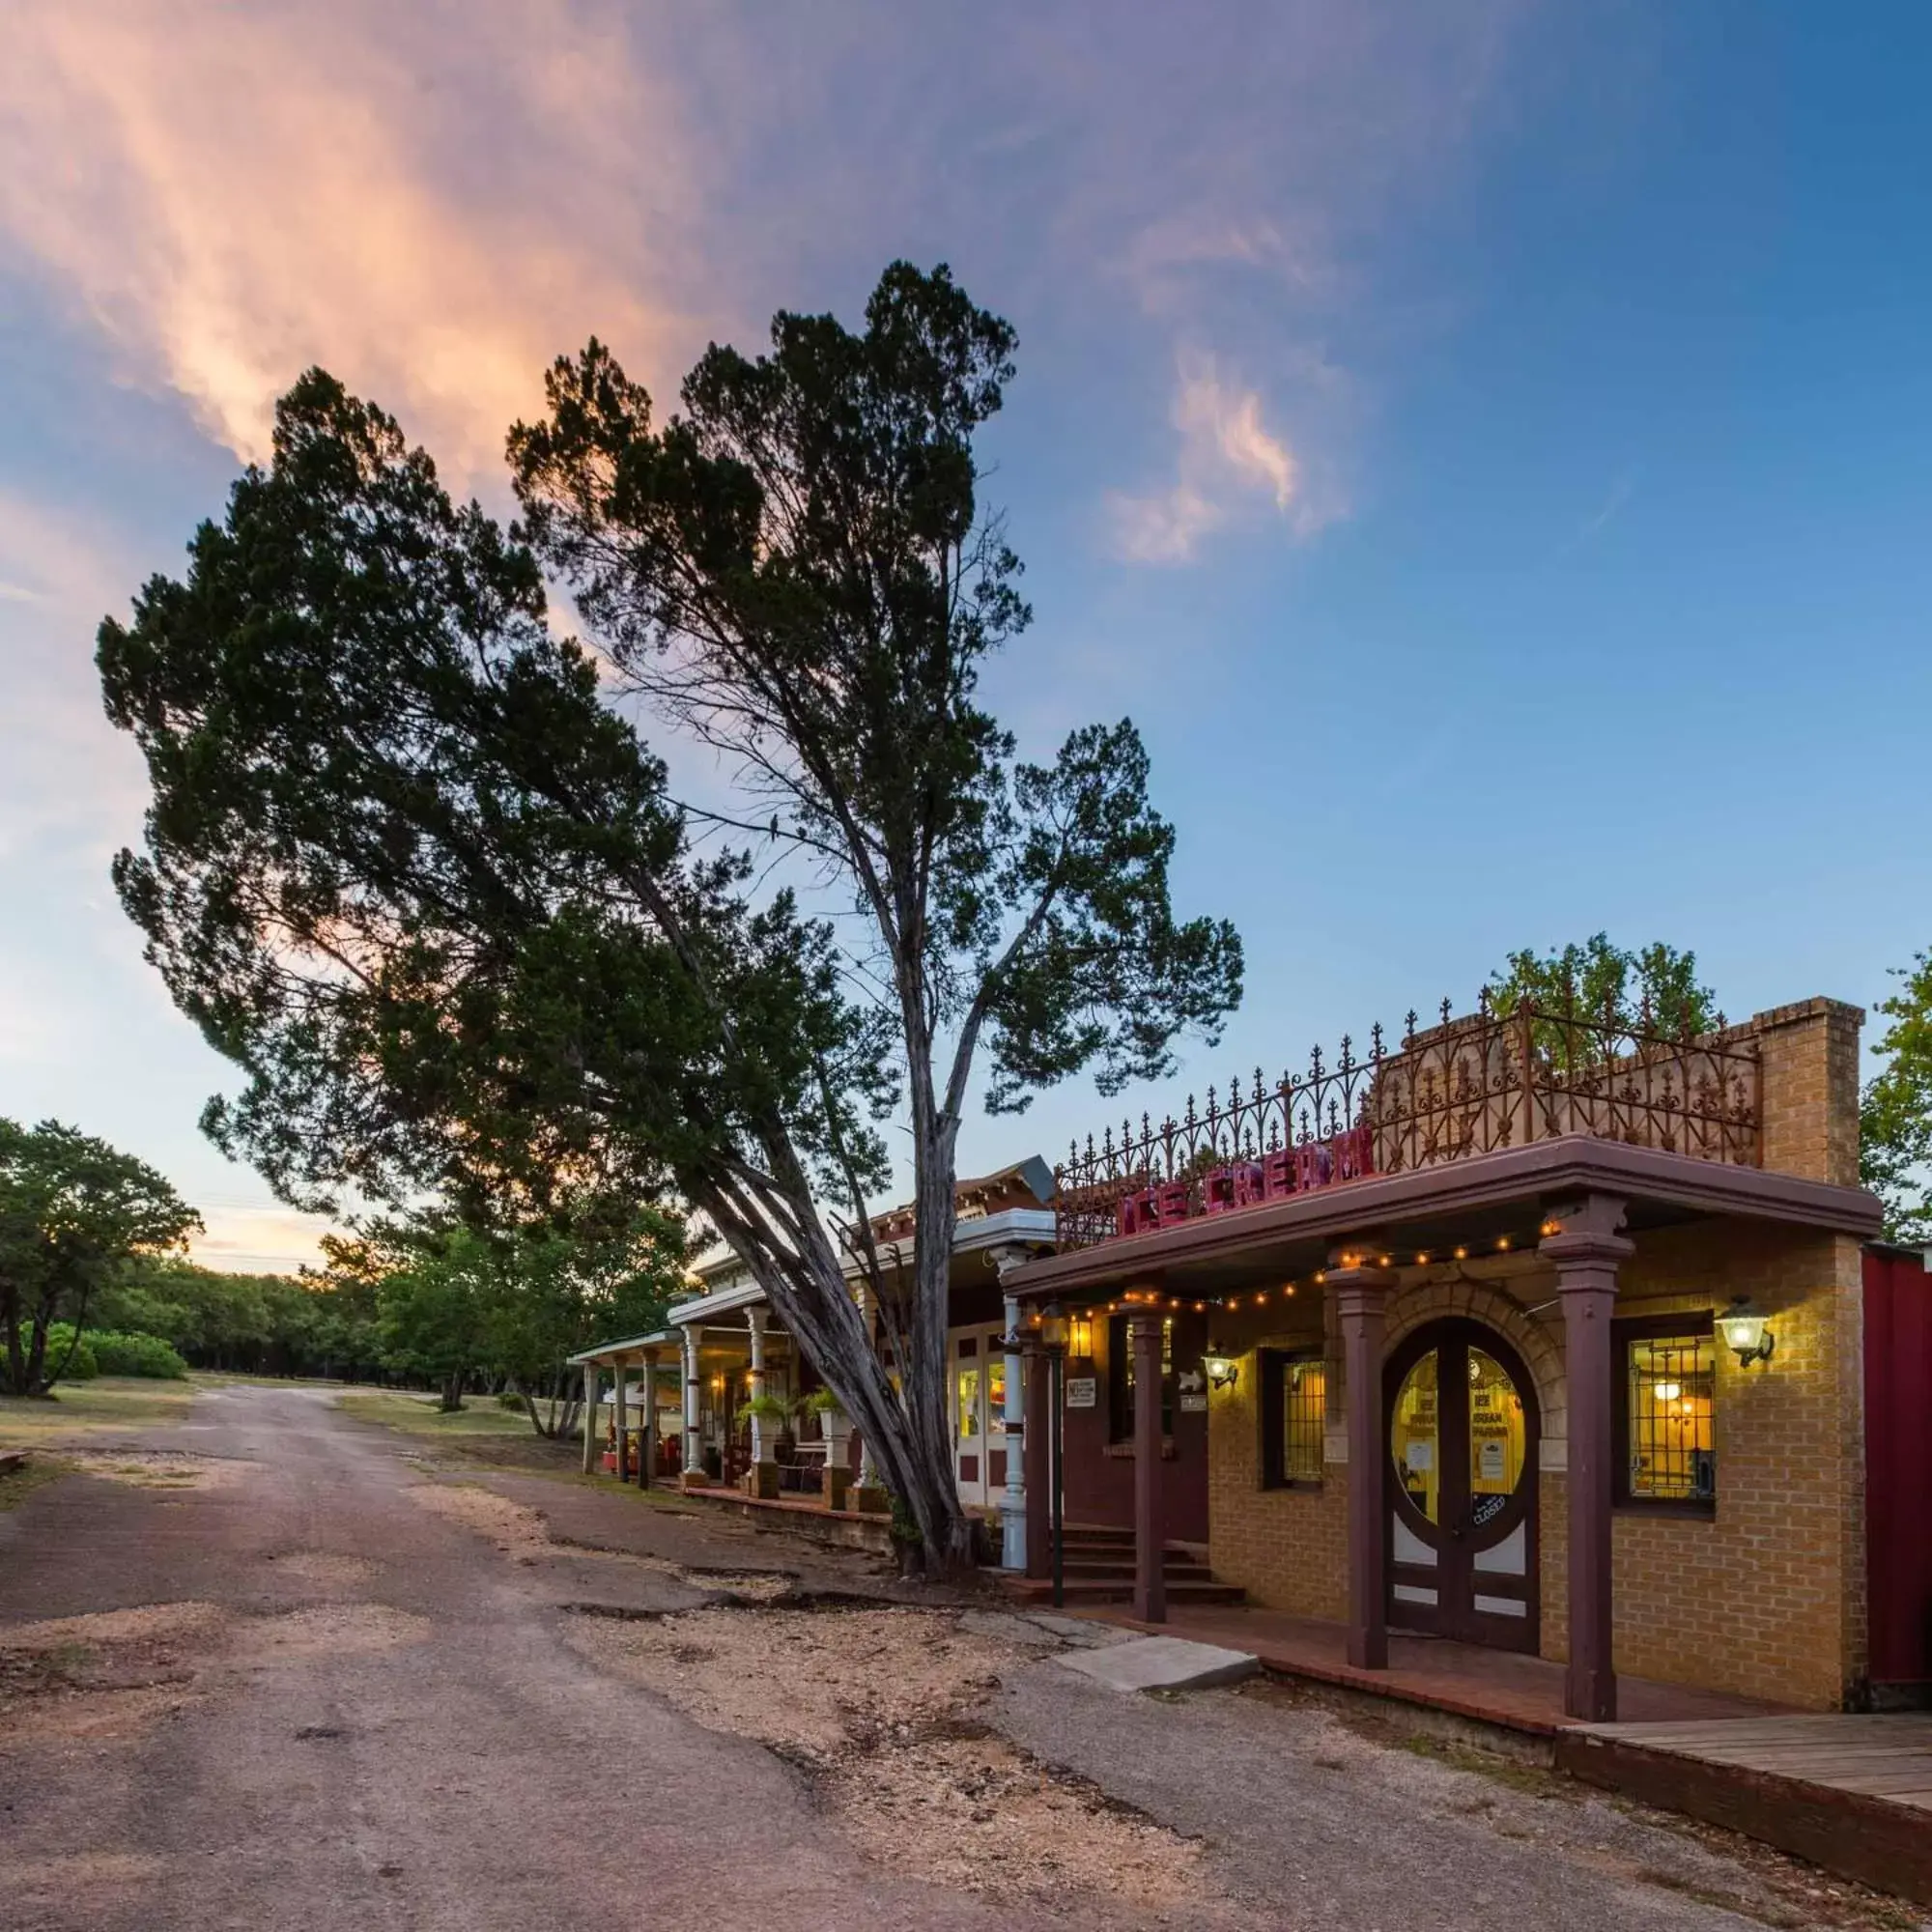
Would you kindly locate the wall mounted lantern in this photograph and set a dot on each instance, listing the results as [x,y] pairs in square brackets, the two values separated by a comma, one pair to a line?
[1053,1328]
[1080,1337]
[1222,1374]
[1744,1333]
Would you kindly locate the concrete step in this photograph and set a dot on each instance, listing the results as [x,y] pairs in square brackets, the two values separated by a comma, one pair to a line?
[1118,1590]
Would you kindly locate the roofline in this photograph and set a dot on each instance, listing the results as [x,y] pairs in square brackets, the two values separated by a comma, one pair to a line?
[661,1339]
[1571,1163]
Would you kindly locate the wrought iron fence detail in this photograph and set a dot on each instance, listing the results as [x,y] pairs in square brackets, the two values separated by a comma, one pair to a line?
[1475,1084]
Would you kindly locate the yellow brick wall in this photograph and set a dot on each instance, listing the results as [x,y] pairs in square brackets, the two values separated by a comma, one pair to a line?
[1765,1599]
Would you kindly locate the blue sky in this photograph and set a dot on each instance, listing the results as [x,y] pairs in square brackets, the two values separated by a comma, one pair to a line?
[1483,447]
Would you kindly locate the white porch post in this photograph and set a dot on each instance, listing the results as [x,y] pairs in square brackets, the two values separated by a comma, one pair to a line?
[589,1416]
[755,1320]
[693,1451]
[1012,1505]
[618,1409]
[868,1465]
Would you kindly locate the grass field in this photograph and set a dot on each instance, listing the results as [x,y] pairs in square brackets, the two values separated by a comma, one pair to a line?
[87,1408]
[416,1414]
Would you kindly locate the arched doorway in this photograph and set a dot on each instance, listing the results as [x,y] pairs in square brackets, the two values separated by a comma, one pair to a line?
[1461,1487]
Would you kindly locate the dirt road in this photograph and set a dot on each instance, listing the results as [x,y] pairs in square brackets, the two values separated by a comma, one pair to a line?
[312,1682]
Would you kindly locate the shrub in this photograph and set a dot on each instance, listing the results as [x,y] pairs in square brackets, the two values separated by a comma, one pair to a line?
[510,1399]
[123,1354]
[82,1368]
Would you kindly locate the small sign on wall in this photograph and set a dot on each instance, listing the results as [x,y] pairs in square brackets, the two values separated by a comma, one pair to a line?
[1083,1391]
[1193,1402]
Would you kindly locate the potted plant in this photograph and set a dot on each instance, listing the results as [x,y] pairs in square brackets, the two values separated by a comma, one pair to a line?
[762,1479]
[836,1427]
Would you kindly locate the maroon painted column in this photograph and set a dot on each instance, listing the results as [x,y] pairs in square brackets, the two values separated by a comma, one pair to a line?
[1034,1460]
[1361,1300]
[1586,1249]
[1150,1573]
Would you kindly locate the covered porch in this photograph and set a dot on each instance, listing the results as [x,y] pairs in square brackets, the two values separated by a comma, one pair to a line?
[1465,1368]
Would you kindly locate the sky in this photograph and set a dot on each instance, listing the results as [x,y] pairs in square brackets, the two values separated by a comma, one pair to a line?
[1484,448]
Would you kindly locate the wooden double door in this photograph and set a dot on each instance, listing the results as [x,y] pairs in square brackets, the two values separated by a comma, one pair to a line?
[1460,1484]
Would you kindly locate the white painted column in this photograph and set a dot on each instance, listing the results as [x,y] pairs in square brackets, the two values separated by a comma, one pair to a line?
[1012,1505]
[589,1416]
[755,1320]
[694,1450]
[619,1414]
[868,1467]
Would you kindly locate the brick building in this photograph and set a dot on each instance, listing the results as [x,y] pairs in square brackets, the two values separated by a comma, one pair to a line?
[1582,1301]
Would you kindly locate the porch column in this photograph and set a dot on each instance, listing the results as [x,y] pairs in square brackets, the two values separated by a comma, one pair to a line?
[589,1415]
[694,1450]
[1586,1249]
[1039,1525]
[619,1411]
[1149,1577]
[755,1320]
[1012,1505]
[1361,1300]
[647,1422]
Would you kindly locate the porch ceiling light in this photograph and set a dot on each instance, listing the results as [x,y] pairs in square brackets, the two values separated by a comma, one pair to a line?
[1744,1333]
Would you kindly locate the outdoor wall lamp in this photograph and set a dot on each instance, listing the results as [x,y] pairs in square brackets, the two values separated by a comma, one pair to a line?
[1053,1328]
[1222,1374]
[1744,1333]
[1080,1336]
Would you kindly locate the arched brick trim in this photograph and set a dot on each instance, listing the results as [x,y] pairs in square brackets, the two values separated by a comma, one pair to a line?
[1541,1347]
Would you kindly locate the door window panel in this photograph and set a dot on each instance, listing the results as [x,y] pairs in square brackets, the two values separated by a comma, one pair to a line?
[969,1404]
[1413,1435]
[1495,1438]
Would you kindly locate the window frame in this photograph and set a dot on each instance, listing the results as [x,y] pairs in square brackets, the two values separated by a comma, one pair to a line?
[1271,1368]
[1694,1324]
[1119,1406]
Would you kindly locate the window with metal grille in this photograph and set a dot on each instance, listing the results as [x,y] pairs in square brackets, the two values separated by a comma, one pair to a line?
[1294,1415]
[1667,1373]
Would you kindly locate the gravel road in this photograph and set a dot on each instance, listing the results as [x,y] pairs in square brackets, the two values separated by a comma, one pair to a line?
[324,1705]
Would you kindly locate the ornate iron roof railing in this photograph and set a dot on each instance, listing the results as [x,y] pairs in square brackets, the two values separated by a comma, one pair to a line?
[1491,1079]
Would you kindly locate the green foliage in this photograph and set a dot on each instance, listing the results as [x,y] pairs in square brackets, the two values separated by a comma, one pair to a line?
[820,1402]
[121,1354]
[510,1399]
[1655,987]
[766,1408]
[69,1360]
[1895,1109]
[412,875]
[72,1211]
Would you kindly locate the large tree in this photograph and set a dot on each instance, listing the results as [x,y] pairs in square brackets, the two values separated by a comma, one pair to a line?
[73,1209]
[1895,1111]
[411,873]
[799,569]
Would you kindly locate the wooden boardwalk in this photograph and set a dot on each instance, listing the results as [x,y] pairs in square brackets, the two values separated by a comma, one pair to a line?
[1851,1793]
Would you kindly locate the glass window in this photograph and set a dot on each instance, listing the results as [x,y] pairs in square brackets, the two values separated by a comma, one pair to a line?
[1412,1435]
[996,1395]
[969,1404]
[1496,1438]
[1294,1413]
[1120,1378]
[1668,1378]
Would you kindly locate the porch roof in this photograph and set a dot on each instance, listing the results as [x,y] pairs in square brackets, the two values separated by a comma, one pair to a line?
[1482,1198]
[605,1352]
